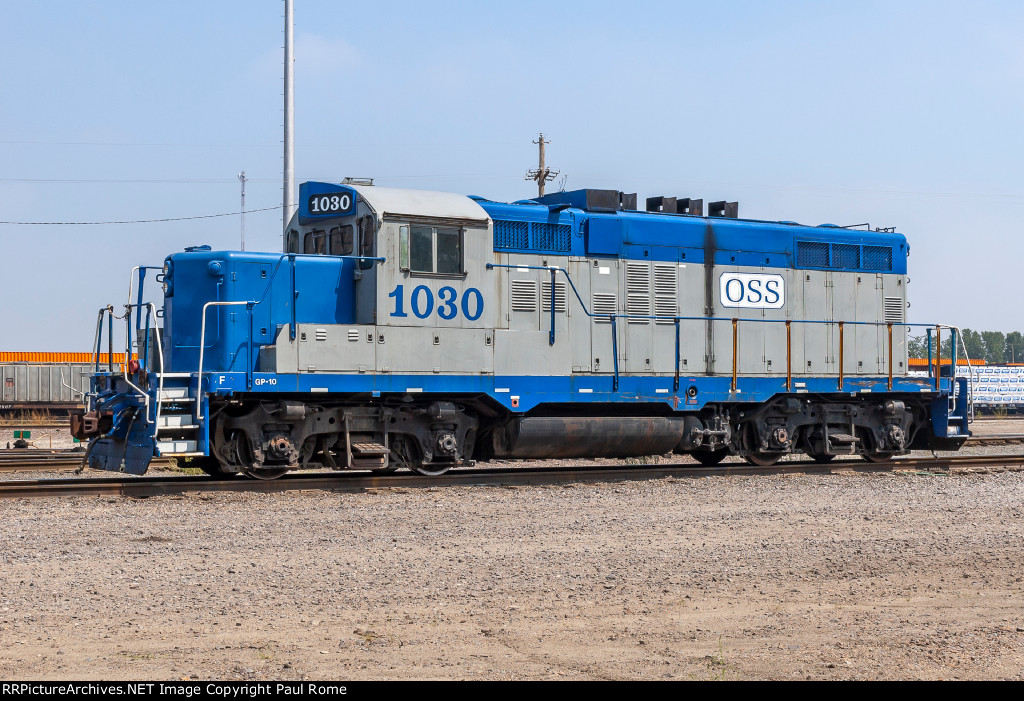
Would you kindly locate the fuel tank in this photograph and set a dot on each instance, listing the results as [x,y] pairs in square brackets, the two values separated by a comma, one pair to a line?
[587,437]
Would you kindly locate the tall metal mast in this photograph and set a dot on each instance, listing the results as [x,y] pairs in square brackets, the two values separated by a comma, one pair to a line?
[289,116]
[241,177]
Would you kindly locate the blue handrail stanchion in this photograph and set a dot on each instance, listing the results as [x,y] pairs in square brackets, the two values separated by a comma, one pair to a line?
[248,363]
[551,336]
[615,355]
[675,381]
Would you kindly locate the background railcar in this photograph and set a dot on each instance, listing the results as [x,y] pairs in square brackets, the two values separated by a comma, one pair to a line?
[416,329]
[37,384]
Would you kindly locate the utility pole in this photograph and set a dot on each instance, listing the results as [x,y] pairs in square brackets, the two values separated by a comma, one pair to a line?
[289,116]
[241,176]
[541,174]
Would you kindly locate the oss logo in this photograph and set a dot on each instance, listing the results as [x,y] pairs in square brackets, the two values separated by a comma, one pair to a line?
[752,290]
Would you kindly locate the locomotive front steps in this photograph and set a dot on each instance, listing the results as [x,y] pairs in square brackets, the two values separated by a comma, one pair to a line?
[176,426]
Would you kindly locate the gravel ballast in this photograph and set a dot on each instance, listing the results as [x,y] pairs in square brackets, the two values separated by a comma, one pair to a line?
[882,576]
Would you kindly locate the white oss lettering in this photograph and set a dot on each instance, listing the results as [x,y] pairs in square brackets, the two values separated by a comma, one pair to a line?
[752,290]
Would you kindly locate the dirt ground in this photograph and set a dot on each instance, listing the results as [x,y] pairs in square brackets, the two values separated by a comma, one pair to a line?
[883,576]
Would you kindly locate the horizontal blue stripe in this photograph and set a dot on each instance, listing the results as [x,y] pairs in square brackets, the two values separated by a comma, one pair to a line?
[533,390]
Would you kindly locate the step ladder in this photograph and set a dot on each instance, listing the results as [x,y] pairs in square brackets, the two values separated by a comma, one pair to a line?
[952,420]
[177,430]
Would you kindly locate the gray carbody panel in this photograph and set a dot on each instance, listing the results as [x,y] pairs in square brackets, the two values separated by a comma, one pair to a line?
[511,335]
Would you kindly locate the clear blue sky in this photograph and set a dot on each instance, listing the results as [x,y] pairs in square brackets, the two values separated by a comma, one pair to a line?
[901,114]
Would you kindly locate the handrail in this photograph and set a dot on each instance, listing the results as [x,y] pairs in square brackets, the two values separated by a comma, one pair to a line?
[735,322]
[160,375]
[202,348]
[131,285]
[668,317]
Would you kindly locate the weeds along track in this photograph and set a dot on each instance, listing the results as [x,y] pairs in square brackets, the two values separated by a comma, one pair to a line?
[511,476]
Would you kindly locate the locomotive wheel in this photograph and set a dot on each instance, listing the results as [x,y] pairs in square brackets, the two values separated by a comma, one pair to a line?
[210,466]
[265,473]
[430,470]
[822,458]
[756,457]
[819,458]
[405,453]
[762,459]
[878,458]
[712,457]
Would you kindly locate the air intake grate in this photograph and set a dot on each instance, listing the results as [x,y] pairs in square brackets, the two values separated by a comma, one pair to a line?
[811,254]
[843,256]
[526,236]
[511,234]
[878,257]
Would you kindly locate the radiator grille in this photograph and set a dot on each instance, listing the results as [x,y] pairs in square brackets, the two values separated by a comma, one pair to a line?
[511,234]
[812,254]
[878,257]
[519,235]
[551,237]
[845,256]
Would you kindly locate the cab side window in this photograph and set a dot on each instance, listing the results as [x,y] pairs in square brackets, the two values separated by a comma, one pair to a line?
[435,249]
[366,231]
[314,242]
[341,240]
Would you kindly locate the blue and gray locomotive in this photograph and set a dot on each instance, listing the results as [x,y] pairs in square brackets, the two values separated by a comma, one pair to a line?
[427,330]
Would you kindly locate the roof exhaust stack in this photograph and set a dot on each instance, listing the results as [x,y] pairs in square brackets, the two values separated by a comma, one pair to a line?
[730,210]
[665,205]
[686,205]
[675,205]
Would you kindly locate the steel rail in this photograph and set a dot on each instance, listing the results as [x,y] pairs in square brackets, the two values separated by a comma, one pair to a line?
[517,476]
[996,439]
[32,460]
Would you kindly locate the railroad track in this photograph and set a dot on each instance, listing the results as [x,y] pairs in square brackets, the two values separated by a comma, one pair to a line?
[515,476]
[33,424]
[996,439]
[32,460]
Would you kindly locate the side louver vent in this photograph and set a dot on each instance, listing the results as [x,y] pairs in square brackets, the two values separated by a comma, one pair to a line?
[638,291]
[602,305]
[893,310]
[524,296]
[665,290]
[559,296]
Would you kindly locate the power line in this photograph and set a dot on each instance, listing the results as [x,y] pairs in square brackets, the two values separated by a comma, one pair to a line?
[134,221]
[129,181]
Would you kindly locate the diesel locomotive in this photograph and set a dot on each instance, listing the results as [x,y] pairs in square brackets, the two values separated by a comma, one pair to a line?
[427,330]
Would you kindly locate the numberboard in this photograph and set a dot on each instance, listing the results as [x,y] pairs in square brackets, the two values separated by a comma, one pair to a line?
[325,200]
